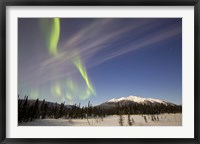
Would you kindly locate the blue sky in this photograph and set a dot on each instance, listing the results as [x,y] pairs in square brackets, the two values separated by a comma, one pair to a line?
[121,57]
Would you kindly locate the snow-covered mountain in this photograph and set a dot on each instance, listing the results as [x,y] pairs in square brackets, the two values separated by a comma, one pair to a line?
[134,100]
[137,99]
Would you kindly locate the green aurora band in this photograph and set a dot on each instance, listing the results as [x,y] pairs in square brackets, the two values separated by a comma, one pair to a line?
[54,37]
[71,86]
[77,62]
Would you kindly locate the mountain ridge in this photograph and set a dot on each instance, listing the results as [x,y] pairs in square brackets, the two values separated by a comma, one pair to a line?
[135,100]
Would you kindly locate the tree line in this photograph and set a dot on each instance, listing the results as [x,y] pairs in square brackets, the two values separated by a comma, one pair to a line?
[143,109]
[36,109]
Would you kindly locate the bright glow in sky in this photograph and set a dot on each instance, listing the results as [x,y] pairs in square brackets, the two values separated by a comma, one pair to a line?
[54,36]
[97,59]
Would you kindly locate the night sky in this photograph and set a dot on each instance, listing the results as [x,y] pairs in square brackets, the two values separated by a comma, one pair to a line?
[97,59]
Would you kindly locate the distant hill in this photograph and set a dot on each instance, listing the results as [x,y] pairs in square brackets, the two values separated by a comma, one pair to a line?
[49,104]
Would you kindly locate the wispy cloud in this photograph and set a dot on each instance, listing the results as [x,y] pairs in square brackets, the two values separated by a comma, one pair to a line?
[141,43]
[102,35]
[92,39]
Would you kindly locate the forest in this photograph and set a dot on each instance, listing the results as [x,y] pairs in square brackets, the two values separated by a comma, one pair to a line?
[28,110]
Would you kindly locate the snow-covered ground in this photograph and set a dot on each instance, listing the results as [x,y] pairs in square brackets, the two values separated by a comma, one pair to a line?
[139,120]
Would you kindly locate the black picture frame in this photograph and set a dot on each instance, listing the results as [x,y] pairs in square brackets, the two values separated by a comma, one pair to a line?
[5,3]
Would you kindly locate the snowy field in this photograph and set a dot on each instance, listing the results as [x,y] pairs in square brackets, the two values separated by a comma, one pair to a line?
[137,120]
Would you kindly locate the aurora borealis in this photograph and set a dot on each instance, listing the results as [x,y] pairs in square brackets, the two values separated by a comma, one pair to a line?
[95,59]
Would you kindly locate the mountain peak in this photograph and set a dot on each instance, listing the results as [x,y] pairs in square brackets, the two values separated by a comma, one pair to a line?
[137,99]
